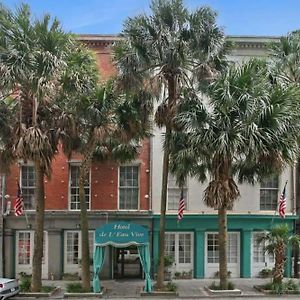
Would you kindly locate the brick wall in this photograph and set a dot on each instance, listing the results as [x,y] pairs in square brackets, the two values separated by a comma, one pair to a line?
[104,176]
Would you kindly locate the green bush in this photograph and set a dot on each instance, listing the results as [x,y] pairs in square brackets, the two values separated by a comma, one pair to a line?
[171,286]
[266,272]
[284,288]
[47,289]
[215,286]
[25,284]
[76,288]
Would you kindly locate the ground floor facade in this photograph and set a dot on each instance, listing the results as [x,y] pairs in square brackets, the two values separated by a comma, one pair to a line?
[62,246]
[193,245]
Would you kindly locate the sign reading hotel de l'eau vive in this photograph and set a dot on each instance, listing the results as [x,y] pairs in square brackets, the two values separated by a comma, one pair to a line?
[121,233]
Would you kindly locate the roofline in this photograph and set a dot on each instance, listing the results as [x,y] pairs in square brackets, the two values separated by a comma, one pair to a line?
[242,41]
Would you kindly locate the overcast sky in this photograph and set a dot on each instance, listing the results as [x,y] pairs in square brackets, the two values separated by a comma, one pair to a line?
[238,17]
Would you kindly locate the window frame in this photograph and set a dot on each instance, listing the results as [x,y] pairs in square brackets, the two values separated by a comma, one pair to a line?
[137,165]
[72,267]
[77,164]
[273,204]
[21,182]
[177,188]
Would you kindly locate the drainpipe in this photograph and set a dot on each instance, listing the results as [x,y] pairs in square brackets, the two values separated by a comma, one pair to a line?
[2,224]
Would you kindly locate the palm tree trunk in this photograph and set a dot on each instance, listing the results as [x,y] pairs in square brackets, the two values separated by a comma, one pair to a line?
[222,213]
[36,283]
[83,172]
[279,263]
[165,172]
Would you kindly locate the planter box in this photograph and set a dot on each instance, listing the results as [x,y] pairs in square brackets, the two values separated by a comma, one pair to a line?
[234,292]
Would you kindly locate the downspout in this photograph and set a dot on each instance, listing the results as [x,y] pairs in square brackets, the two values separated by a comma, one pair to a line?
[2,225]
[150,201]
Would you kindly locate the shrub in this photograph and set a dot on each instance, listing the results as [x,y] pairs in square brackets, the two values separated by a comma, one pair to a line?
[285,287]
[266,272]
[76,288]
[171,286]
[215,286]
[47,289]
[25,284]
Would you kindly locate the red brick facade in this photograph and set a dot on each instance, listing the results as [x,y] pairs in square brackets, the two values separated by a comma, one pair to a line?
[104,176]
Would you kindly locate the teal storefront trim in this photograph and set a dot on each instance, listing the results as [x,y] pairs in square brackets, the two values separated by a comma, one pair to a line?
[202,223]
[121,234]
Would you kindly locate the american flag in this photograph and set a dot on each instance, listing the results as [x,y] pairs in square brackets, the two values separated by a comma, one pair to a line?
[181,207]
[282,203]
[19,202]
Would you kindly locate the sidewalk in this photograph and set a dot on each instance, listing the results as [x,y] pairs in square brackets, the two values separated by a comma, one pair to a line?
[192,288]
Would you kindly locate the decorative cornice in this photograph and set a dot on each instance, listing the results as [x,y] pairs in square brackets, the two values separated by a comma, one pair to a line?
[241,42]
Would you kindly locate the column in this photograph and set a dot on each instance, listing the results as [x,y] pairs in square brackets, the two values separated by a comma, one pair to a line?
[10,253]
[245,260]
[199,253]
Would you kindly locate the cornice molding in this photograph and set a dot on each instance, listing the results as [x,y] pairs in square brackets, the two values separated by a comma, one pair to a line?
[241,42]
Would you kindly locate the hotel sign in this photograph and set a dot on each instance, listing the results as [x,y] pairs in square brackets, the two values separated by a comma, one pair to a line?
[121,234]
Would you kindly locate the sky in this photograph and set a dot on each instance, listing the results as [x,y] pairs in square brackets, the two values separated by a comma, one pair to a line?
[238,17]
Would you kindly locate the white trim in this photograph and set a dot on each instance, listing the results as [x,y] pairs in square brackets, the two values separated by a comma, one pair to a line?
[211,268]
[78,163]
[139,186]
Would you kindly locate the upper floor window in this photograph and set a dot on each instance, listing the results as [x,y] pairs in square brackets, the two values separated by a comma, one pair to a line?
[28,186]
[269,193]
[74,188]
[174,193]
[129,187]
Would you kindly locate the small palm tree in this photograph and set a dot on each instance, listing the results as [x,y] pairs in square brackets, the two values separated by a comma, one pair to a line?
[277,240]
[164,53]
[247,128]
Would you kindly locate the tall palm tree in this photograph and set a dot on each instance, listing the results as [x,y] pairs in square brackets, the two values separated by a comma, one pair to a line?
[277,240]
[247,128]
[286,68]
[35,63]
[165,52]
[110,126]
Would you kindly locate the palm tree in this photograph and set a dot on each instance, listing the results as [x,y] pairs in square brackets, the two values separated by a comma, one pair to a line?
[286,67]
[164,53]
[247,128]
[110,126]
[277,240]
[36,62]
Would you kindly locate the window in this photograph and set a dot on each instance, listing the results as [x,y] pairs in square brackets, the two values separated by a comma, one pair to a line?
[74,188]
[259,253]
[28,186]
[174,193]
[184,248]
[269,193]
[24,248]
[128,187]
[213,248]
[73,246]
[179,246]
